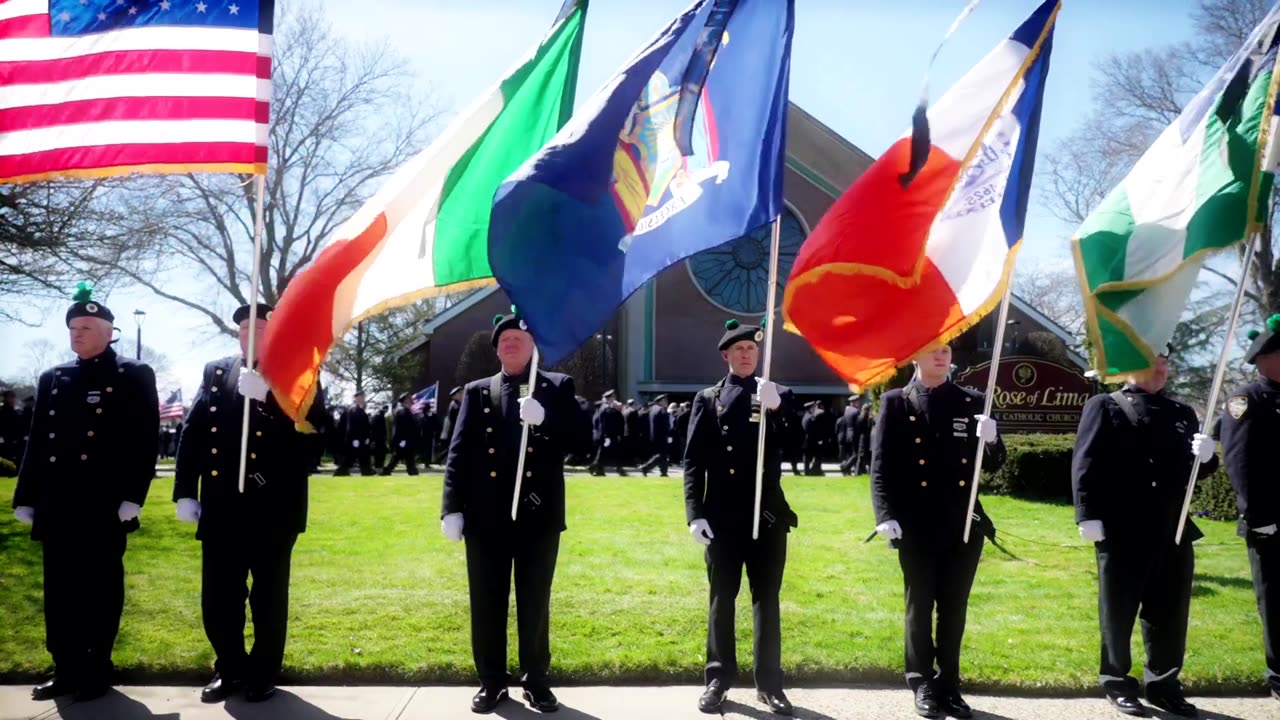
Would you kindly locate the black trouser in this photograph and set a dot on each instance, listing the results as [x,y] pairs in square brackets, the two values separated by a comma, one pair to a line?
[489,570]
[611,455]
[379,455]
[352,455]
[1150,581]
[1264,561]
[937,577]
[227,564]
[404,455]
[764,560]
[659,460]
[83,601]
[813,461]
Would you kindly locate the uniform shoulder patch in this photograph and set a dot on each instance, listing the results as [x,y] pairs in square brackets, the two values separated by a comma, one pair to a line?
[1237,406]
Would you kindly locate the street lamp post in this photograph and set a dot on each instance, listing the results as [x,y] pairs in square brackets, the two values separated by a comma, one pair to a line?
[138,317]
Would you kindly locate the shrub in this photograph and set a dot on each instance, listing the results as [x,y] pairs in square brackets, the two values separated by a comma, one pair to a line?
[7,468]
[1215,497]
[1038,468]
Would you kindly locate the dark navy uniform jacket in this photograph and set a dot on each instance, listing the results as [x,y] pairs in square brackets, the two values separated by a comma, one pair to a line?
[659,425]
[608,423]
[1250,431]
[720,459]
[1133,476]
[480,473]
[92,446]
[274,502]
[404,429]
[922,450]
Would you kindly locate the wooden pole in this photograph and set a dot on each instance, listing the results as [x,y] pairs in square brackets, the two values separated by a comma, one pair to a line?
[768,361]
[524,438]
[996,351]
[259,189]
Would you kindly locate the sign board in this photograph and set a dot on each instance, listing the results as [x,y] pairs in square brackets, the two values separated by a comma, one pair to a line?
[1033,395]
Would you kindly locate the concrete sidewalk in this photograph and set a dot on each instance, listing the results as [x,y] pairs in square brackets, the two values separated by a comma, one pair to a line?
[578,703]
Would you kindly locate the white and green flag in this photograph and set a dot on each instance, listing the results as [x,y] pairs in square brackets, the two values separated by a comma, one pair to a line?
[1203,186]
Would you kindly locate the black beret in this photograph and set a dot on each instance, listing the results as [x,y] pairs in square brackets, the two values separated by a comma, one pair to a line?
[404,396]
[1265,341]
[503,323]
[736,332]
[84,305]
[455,391]
[242,313]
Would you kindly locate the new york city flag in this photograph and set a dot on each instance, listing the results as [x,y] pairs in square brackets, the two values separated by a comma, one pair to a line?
[681,151]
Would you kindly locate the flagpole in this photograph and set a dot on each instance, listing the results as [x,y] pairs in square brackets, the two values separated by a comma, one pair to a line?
[768,361]
[1218,377]
[259,190]
[992,371]
[524,437]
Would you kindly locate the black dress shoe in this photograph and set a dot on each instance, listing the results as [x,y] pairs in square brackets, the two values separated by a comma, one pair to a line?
[776,701]
[927,704]
[52,688]
[954,706]
[541,698]
[220,688]
[1173,703]
[1127,704]
[1275,693]
[487,700]
[259,692]
[712,698]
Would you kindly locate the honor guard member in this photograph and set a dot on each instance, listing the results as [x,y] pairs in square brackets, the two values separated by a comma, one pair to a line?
[680,432]
[719,495]
[922,456]
[660,437]
[404,437]
[429,432]
[479,481]
[1129,473]
[84,478]
[848,436]
[608,428]
[249,533]
[11,429]
[378,437]
[355,430]
[1249,427]
[455,404]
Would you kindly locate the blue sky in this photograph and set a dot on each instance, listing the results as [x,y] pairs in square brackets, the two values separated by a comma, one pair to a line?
[857,66]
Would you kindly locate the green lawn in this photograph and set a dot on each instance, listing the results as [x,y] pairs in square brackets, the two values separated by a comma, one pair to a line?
[379,596]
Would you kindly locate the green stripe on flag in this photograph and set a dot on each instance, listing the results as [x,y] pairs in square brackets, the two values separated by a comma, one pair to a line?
[537,100]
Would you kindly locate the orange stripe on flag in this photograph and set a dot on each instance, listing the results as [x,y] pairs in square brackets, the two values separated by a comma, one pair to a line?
[301,330]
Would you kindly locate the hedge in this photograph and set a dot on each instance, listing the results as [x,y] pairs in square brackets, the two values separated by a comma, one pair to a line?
[7,468]
[1039,468]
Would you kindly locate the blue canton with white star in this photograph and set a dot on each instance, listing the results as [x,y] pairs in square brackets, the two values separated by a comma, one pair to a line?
[81,17]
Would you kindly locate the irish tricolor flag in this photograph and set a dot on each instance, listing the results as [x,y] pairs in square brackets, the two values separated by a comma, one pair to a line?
[426,230]
[1204,185]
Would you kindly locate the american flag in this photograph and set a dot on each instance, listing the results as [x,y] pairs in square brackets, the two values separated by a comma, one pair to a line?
[172,409]
[424,397]
[94,88]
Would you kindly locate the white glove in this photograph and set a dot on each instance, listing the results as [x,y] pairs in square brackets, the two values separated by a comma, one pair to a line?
[451,526]
[890,529]
[1265,530]
[128,511]
[1203,446]
[188,510]
[670,440]
[769,397]
[606,442]
[986,428]
[402,443]
[701,532]
[355,443]
[531,411]
[25,514]
[252,385]
[1091,530]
